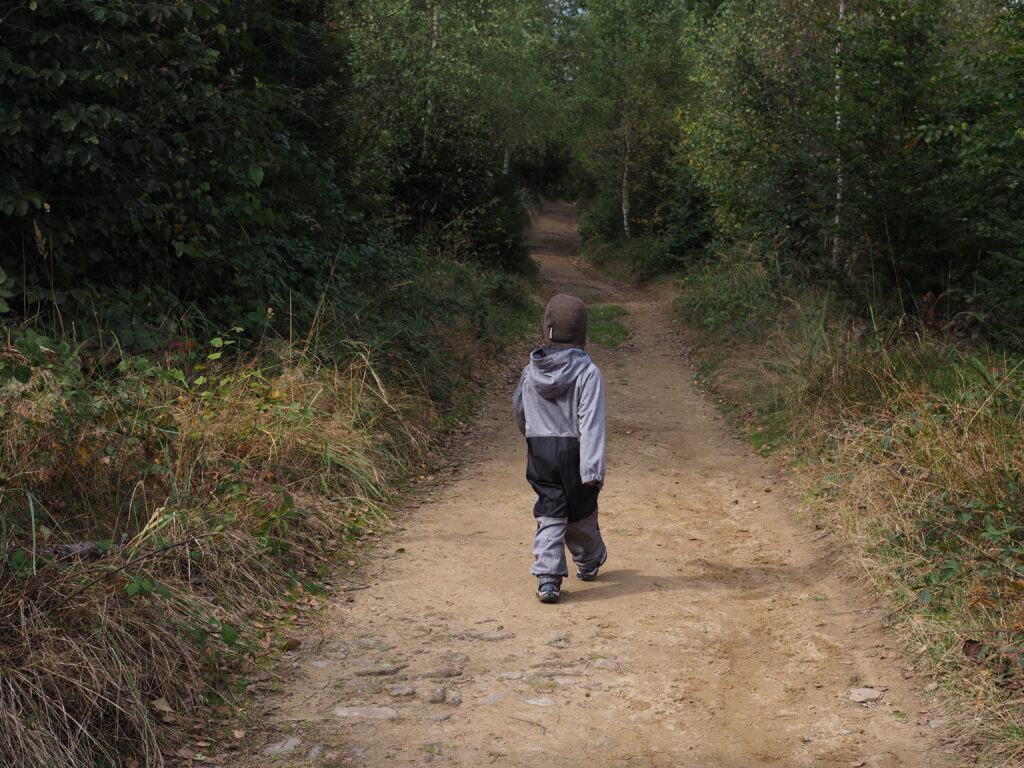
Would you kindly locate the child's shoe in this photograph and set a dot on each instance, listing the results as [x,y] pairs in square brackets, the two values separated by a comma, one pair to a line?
[591,574]
[549,592]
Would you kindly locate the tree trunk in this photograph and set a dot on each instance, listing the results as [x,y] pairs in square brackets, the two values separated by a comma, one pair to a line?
[506,164]
[626,160]
[837,240]
[435,33]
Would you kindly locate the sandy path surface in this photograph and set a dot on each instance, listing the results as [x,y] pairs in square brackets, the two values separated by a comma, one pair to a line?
[718,634]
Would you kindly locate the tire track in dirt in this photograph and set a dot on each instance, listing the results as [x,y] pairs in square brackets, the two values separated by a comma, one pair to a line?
[718,634]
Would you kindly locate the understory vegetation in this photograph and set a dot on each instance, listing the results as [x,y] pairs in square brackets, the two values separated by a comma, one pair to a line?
[251,258]
[832,191]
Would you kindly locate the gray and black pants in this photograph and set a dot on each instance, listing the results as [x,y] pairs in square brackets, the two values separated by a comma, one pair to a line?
[565,510]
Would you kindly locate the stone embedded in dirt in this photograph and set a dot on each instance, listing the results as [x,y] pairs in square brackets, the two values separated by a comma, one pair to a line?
[360,753]
[864,695]
[494,698]
[561,639]
[545,702]
[401,690]
[362,686]
[320,664]
[558,672]
[455,700]
[931,687]
[552,660]
[368,642]
[315,752]
[369,713]
[433,695]
[492,636]
[281,747]
[510,676]
[387,669]
[440,673]
[610,664]
[456,658]
[441,718]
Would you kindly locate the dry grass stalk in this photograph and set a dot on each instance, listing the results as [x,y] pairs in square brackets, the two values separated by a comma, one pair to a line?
[200,499]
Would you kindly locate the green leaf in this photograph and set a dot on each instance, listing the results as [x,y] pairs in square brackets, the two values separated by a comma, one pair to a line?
[4,306]
[132,588]
[214,356]
[228,634]
[18,560]
[23,373]
[924,597]
[217,342]
[256,174]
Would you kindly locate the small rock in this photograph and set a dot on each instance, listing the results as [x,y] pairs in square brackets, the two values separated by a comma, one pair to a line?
[441,718]
[368,642]
[282,747]
[844,732]
[494,698]
[931,687]
[389,669]
[369,713]
[559,638]
[510,676]
[315,752]
[545,702]
[440,673]
[360,753]
[434,695]
[863,695]
[807,738]
[610,664]
[493,636]
[937,722]
[362,686]
[401,690]
[455,700]
[320,664]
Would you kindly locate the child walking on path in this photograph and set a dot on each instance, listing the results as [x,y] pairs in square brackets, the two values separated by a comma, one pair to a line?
[559,407]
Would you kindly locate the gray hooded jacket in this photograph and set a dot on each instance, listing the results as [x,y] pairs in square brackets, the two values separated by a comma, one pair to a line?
[561,395]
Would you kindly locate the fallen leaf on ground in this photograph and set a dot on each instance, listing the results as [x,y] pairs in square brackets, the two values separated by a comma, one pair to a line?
[161,705]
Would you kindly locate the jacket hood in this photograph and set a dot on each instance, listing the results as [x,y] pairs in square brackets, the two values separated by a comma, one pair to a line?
[552,371]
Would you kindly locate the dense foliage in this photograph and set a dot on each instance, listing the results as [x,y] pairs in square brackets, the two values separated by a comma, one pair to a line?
[230,157]
[875,146]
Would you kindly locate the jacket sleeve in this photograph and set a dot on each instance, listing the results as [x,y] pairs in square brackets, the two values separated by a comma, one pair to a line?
[517,404]
[592,428]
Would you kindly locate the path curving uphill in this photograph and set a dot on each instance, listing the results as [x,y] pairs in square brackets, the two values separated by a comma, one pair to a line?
[718,635]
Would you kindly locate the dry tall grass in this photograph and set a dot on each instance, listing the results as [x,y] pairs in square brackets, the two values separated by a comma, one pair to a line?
[146,515]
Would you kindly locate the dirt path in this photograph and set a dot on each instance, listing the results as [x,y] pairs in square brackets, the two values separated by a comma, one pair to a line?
[718,635]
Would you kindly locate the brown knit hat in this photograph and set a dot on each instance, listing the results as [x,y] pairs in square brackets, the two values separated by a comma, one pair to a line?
[565,323]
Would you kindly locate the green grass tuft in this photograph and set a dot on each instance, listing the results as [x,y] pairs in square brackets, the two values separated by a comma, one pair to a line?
[604,328]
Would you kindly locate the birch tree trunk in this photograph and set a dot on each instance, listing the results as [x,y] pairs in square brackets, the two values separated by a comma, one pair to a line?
[837,240]
[435,32]
[626,160]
